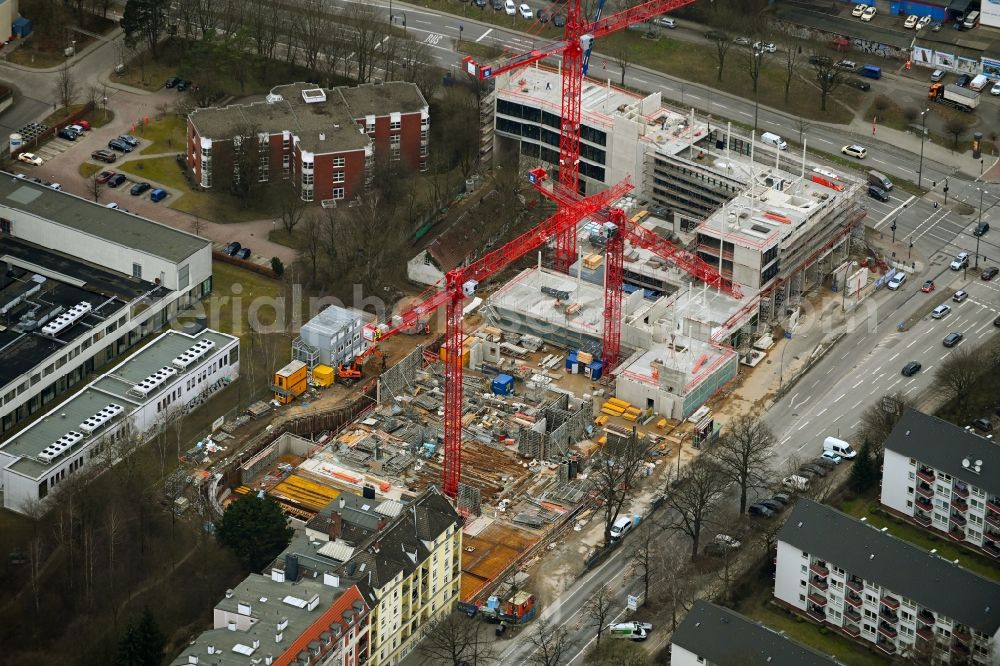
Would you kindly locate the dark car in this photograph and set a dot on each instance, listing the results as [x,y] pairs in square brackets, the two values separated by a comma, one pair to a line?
[139,188]
[990,273]
[783,498]
[982,424]
[129,139]
[996,322]
[776,507]
[825,463]
[104,156]
[819,60]
[817,470]
[232,249]
[858,83]
[104,176]
[183,85]
[67,133]
[480,3]
[244,253]
[116,180]
[714,549]
[120,146]
[171,82]
[952,339]
[543,16]
[963,80]
[981,229]
[497,5]
[911,368]
[559,21]
[876,192]
[759,511]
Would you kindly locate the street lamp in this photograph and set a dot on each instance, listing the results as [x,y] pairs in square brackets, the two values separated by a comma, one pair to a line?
[978,236]
[923,135]
[893,227]
[910,251]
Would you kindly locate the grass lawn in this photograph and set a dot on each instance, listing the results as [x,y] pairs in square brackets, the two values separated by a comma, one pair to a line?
[250,286]
[166,135]
[835,645]
[88,169]
[866,507]
[99,117]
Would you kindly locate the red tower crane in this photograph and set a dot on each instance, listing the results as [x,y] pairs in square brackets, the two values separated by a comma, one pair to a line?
[462,282]
[571,49]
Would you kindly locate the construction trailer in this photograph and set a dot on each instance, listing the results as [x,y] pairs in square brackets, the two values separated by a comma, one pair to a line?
[290,382]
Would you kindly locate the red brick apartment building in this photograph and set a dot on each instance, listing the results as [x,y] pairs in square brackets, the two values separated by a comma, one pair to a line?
[326,141]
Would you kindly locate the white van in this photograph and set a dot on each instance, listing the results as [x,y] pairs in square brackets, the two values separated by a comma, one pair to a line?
[621,527]
[840,447]
[636,631]
[971,21]
[773,139]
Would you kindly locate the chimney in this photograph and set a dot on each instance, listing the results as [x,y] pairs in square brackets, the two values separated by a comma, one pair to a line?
[336,525]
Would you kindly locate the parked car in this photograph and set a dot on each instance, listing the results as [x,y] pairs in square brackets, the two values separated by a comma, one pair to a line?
[963,80]
[232,249]
[742,41]
[665,22]
[116,180]
[923,22]
[183,85]
[783,498]
[171,82]
[139,188]
[525,11]
[860,84]
[927,287]
[940,311]
[911,368]
[244,253]
[129,139]
[981,229]
[67,133]
[104,156]
[854,150]
[776,507]
[832,457]
[952,339]
[157,195]
[960,296]
[995,89]
[897,280]
[818,470]
[728,542]
[112,205]
[937,75]
[509,7]
[846,64]
[105,176]
[542,16]
[876,192]
[819,60]
[825,463]
[990,273]
[960,261]
[497,5]
[120,146]
[759,511]
[559,21]
[869,13]
[983,424]
[911,21]
[54,186]
[84,124]
[30,158]
[765,47]
[858,10]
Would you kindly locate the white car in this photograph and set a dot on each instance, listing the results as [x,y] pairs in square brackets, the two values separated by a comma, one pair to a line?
[525,11]
[868,13]
[960,261]
[112,206]
[727,542]
[995,90]
[509,7]
[940,311]
[897,280]
[923,23]
[854,150]
[859,10]
[911,21]
[766,47]
[55,186]
[30,158]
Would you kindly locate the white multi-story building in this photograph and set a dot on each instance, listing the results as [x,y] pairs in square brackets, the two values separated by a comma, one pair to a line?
[113,278]
[944,478]
[333,337]
[871,586]
[717,636]
[169,377]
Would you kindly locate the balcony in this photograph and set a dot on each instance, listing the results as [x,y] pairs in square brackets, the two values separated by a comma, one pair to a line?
[963,635]
[888,616]
[959,504]
[926,634]
[925,617]
[819,570]
[855,584]
[924,503]
[958,519]
[993,521]
[926,474]
[961,490]
[817,599]
[960,649]
[886,647]
[922,518]
[993,504]
[925,490]
[852,630]
[890,602]
[819,583]
[852,615]
[957,534]
[853,600]
[817,614]
[887,630]
[992,550]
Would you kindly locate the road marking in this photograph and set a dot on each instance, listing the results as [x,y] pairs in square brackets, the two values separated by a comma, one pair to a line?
[893,357]
[912,343]
[641,80]
[860,382]
[928,368]
[844,356]
[822,140]
[722,106]
[483,36]
[894,211]
[801,447]
[792,401]
[839,397]
[928,349]
[803,425]
[855,405]
[818,414]
[814,384]
[855,424]
[784,440]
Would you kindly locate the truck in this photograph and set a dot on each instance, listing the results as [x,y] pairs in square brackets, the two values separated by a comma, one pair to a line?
[954,96]
[870,72]
[979,82]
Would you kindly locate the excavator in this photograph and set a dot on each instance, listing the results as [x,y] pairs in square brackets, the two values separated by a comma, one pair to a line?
[353,372]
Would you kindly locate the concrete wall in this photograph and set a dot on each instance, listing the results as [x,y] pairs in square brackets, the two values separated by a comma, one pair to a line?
[789,572]
[681,657]
[896,472]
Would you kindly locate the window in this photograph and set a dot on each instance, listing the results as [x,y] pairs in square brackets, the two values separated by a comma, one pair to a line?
[338,176]
[307,178]
[307,193]
[394,140]
[395,124]
[339,161]
[286,164]
[338,193]
[286,143]
[137,270]
[423,165]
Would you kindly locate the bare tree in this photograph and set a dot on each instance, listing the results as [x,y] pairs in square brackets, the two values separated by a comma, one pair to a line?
[291,207]
[66,88]
[828,77]
[551,642]
[457,640]
[790,65]
[419,68]
[701,485]
[369,30]
[313,30]
[643,555]
[958,374]
[623,58]
[614,473]
[312,241]
[598,609]
[744,454]
[956,127]
[755,65]
[675,587]
[95,187]
[879,419]
[244,156]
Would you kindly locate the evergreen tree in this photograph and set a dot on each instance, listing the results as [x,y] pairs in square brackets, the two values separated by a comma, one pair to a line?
[142,643]
[255,529]
[863,473]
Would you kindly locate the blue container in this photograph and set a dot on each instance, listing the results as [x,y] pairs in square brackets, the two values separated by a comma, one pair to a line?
[594,370]
[21,27]
[503,385]
[871,72]
[571,361]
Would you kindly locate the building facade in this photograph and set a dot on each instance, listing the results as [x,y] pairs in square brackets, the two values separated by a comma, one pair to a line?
[944,478]
[113,277]
[325,142]
[866,584]
[333,337]
[168,378]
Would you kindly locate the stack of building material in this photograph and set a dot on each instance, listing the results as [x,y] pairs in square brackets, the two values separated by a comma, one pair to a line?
[615,407]
[593,261]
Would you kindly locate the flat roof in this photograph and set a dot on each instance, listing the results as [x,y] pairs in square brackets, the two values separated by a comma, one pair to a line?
[113,226]
[725,638]
[896,565]
[693,358]
[944,446]
[110,388]
[333,318]
[523,294]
